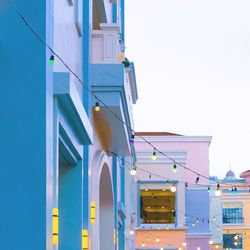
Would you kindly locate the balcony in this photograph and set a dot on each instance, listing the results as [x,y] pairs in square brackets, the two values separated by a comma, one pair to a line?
[115,85]
[107,45]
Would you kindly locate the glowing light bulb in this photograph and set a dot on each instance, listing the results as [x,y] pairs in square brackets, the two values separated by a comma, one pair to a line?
[52,60]
[211,242]
[157,240]
[174,168]
[154,156]
[184,244]
[173,188]
[218,192]
[131,232]
[97,107]
[143,245]
[133,171]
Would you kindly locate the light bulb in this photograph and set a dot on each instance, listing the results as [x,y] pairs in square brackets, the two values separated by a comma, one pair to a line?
[184,244]
[157,240]
[133,171]
[174,168]
[211,242]
[218,192]
[132,138]
[208,189]
[173,188]
[131,231]
[52,60]
[197,179]
[154,156]
[97,107]
[143,245]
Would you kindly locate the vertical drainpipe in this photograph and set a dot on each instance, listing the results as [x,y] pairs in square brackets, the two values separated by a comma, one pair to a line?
[87,22]
[114,173]
[122,181]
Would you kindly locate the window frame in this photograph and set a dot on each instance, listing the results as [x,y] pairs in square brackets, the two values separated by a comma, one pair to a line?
[232,239]
[148,182]
[229,216]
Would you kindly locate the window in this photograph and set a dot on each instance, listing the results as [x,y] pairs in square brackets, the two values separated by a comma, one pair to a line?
[232,215]
[233,241]
[157,206]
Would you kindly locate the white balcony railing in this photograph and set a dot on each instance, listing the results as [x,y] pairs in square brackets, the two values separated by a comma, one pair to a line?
[107,45]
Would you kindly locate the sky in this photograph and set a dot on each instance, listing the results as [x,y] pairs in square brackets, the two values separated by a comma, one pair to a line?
[192,62]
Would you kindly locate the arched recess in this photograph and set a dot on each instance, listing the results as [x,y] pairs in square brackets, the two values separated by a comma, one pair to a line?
[106,210]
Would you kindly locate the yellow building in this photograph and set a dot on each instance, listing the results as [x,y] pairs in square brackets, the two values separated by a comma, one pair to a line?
[235,210]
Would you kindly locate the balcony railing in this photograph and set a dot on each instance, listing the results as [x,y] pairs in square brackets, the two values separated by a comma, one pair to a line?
[107,45]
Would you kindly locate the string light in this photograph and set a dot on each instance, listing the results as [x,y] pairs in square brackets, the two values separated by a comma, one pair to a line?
[132,138]
[234,190]
[143,245]
[218,191]
[173,188]
[131,232]
[197,220]
[52,60]
[174,168]
[154,156]
[193,224]
[211,242]
[208,189]
[133,171]
[39,37]
[184,244]
[197,179]
[97,107]
[157,240]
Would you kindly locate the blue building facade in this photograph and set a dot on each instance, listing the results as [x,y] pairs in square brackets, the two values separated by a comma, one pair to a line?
[64,178]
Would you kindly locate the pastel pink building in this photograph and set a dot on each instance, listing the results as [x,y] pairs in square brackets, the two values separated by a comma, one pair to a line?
[172,192]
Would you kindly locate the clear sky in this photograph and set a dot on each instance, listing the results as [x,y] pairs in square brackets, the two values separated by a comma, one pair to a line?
[192,61]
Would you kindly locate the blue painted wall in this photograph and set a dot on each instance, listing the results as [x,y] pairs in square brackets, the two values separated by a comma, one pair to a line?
[23,129]
[197,206]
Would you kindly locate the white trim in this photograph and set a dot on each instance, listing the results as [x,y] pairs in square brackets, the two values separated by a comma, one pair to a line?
[180,138]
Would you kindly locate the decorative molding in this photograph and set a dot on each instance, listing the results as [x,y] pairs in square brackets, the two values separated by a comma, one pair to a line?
[145,157]
[179,138]
[68,98]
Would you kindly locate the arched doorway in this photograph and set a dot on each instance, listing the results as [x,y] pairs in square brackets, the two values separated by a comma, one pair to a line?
[106,210]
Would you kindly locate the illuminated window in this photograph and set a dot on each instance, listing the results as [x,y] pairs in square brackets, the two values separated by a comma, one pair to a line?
[157,206]
[232,241]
